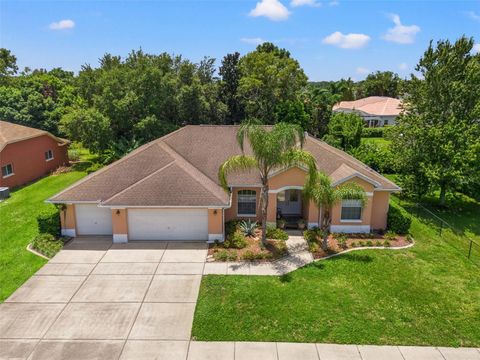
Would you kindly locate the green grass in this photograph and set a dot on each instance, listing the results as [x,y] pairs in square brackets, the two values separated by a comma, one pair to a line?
[426,295]
[19,226]
[379,141]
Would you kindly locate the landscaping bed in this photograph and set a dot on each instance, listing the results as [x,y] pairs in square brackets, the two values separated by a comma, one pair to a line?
[243,242]
[339,242]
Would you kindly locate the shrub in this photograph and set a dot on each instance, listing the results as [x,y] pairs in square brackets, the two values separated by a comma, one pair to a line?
[342,241]
[73,155]
[409,238]
[248,255]
[379,158]
[281,223]
[398,221]
[47,245]
[276,233]
[248,227]
[361,243]
[369,243]
[232,256]
[373,132]
[94,167]
[236,240]
[280,246]
[313,247]
[221,255]
[49,222]
[353,244]
[390,235]
[378,243]
[386,243]
[231,226]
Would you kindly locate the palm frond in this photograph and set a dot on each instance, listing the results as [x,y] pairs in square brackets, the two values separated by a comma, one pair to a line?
[235,163]
[351,191]
[298,157]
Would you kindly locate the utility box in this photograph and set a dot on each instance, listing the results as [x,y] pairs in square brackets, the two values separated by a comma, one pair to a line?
[4,193]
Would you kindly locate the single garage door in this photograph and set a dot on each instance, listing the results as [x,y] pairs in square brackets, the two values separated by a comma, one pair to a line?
[93,220]
[167,224]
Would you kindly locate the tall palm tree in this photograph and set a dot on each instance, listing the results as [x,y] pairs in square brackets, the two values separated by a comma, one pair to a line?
[318,188]
[273,148]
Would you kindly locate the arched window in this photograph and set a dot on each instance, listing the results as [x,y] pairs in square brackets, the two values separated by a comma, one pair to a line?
[247,203]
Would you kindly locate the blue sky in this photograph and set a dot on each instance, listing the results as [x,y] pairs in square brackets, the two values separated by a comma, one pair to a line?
[331,39]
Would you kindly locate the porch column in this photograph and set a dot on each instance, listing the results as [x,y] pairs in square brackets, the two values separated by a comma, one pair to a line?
[272,209]
[119,225]
[67,221]
[215,225]
[312,215]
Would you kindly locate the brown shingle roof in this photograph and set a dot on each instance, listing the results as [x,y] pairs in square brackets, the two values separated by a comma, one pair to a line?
[373,105]
[11,133]
[181,169]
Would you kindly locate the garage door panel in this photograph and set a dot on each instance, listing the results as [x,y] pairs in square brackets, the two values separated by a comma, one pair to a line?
[168,224]
[93,220]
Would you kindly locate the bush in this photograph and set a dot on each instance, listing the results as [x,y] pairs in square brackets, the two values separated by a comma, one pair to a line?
[398,221]
[361,243]
[280,246]
[379,158]
[49,222]
[94,167]
[390,235]
[378,243]
[221,255]
[409,238]
[342,241]
[248,255]
[369,243]
[276,234]
[248,227]
[373,132]
[47,245]
[236,240]
[353,244]
[386,243]
[231,226]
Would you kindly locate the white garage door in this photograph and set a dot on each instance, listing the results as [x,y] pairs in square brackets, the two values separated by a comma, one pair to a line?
[167,224]
[93,220]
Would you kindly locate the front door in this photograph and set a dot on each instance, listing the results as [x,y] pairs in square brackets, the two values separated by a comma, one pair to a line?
[289,202]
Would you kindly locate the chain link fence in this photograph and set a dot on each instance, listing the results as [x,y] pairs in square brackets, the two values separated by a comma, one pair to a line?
[451,235]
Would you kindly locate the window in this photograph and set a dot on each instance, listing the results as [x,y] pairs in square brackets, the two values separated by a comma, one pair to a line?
[385,122]
[48,155]
[7,170]
[351,210]
[247,203]
[293,195]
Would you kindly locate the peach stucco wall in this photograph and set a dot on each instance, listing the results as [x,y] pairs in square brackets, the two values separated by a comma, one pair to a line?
[28,159]
[215,221]
[380,209]
[231,213]
[291,177]
[119,221]
[67,217]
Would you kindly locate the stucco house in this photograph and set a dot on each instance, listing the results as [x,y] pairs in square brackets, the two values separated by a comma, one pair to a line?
[168,189]
[27,154]
[377,111]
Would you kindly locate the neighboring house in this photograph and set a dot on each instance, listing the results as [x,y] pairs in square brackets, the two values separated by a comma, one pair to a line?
[27,154]
[377,111]
[168,189]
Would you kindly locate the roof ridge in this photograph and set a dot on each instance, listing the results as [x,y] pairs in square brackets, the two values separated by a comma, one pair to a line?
[348,157]
[139,181]
[189,167]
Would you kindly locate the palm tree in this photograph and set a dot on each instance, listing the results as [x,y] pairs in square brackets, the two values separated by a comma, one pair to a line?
[273,148]
[318,188]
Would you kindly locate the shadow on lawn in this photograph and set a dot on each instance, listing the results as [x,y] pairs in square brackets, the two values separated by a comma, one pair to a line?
[353,257]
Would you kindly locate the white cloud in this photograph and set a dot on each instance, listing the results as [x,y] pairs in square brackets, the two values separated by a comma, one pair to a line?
[473,15]
[62,25]
[313,3]
[476,48]
[362,70]
[253,41]
[403,66]
[272,9]
[347,41]
[334,3]
[402,34]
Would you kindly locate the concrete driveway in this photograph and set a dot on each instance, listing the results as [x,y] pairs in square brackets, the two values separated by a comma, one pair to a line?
[97,300]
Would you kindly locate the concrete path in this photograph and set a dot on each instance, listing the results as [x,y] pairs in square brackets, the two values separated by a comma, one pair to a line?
[95,300]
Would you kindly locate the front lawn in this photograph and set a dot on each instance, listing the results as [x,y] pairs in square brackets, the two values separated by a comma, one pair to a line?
[18,226]
[425,295]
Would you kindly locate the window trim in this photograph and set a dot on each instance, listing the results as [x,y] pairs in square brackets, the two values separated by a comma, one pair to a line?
[49,151]
[254,193]
[8,175]
[351,206]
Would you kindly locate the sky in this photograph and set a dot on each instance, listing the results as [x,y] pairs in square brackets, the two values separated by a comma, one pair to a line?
[331,39]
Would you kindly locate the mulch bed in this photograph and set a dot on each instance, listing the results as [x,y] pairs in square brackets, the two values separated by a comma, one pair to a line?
[357,241]
[274,249]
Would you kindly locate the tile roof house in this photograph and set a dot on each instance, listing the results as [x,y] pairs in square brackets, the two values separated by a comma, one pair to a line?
[375,110]
[168,189]
[27,153]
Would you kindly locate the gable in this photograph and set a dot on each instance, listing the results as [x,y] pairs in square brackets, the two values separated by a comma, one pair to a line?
[293,176]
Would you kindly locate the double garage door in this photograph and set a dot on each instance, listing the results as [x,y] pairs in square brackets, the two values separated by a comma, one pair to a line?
[145,224]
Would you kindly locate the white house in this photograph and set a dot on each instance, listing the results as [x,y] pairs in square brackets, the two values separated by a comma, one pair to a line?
[377,111]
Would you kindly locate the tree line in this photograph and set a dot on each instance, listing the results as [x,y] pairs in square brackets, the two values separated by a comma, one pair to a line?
[125,102]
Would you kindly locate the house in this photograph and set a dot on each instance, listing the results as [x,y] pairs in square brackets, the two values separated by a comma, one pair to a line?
[27,154]
[168,189]
[377,111]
